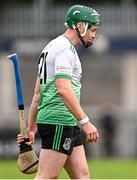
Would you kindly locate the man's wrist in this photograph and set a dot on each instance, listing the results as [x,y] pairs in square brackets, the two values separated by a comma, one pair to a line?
[84,121]
[32,129]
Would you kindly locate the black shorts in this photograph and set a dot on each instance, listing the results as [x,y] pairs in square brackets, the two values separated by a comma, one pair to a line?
[60,138]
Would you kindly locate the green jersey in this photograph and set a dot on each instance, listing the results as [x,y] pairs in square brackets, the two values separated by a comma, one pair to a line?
[58,59]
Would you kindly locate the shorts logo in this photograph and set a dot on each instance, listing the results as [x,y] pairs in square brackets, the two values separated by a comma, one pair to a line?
[67,144]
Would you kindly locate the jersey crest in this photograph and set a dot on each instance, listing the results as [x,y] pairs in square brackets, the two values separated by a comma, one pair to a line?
[67,144]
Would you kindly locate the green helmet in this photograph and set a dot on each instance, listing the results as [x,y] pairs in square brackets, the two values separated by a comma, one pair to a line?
[79,13]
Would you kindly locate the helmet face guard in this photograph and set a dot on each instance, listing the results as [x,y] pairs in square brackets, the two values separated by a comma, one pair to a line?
[79,13]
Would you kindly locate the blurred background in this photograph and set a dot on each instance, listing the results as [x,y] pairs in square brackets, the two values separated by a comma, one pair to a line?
[109,91]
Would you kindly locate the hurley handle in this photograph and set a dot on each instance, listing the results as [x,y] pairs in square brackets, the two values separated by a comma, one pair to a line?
[14,58]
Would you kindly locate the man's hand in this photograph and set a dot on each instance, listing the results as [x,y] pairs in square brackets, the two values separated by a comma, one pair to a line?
[91,132]
[21,138]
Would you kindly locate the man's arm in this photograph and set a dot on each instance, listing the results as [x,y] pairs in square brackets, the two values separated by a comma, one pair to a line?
[71,102]
[69,98]
[32,128]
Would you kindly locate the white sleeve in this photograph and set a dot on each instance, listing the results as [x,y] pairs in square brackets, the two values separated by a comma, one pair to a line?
[64,64]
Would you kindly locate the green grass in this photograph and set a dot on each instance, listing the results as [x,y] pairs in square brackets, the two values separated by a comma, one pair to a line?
[99,169]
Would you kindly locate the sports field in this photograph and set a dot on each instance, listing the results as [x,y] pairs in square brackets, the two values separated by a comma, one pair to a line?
[99,169]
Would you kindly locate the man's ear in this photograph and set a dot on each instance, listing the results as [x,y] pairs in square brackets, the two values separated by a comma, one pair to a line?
[80,26]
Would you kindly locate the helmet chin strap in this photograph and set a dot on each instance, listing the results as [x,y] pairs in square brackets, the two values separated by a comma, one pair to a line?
[86,27]
[86,45]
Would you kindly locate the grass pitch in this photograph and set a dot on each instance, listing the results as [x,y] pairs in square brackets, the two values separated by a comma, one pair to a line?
[99,169]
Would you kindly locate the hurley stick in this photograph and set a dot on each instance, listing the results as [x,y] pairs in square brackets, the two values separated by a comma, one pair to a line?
[27,160]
